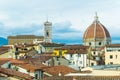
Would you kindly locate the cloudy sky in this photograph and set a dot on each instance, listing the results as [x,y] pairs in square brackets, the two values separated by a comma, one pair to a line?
[70,18]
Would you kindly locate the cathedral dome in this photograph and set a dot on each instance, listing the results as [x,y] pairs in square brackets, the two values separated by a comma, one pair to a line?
[96,31]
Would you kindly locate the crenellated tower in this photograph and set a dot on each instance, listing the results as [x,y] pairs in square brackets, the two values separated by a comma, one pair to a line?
[48,31]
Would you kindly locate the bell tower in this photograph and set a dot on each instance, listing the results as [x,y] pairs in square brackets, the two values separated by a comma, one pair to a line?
[48,31]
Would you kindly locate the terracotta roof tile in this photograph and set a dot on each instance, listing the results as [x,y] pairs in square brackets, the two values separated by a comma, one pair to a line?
[73,49]
[4,49]
[55,70]
[48,44]
[31,66]
[96,30]
[76,52]
[25,37]
[10,72]
[3,62]
[62,48]
[38,58]
[13,61]
[113,45]
[28,67]
[6,59]
[59,78]
[83,78]
[44,56]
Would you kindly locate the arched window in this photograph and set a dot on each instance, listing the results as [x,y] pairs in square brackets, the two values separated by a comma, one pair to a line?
[47,34]
[99,43]
[90,43]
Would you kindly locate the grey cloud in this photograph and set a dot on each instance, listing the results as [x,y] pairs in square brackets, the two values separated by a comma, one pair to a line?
[63,27]
[35,29]
[27,29]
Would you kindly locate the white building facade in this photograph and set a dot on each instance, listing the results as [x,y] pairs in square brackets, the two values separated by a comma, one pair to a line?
[77,59]
[77,55]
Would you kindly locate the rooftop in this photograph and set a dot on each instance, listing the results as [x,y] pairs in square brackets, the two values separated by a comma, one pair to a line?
[96,30]
[10,72]
[73,49]
[13,61]
[25,37]
[30,65]
[113,45]
[55,70]
[83,78]
[3,61]
[4,49]
[48,44]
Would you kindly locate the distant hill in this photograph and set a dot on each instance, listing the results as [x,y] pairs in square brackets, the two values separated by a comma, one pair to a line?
[3,41]
[68,41]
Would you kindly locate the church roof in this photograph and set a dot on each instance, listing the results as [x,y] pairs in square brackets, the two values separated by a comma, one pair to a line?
[96,30]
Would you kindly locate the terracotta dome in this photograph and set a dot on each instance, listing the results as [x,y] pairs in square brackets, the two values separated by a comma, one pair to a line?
[96,30]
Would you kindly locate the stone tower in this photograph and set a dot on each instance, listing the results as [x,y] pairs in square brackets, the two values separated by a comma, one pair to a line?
[48,32]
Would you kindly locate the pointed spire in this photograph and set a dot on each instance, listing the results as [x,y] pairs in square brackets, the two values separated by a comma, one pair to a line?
[47,18]
[47,21]
[96,17]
